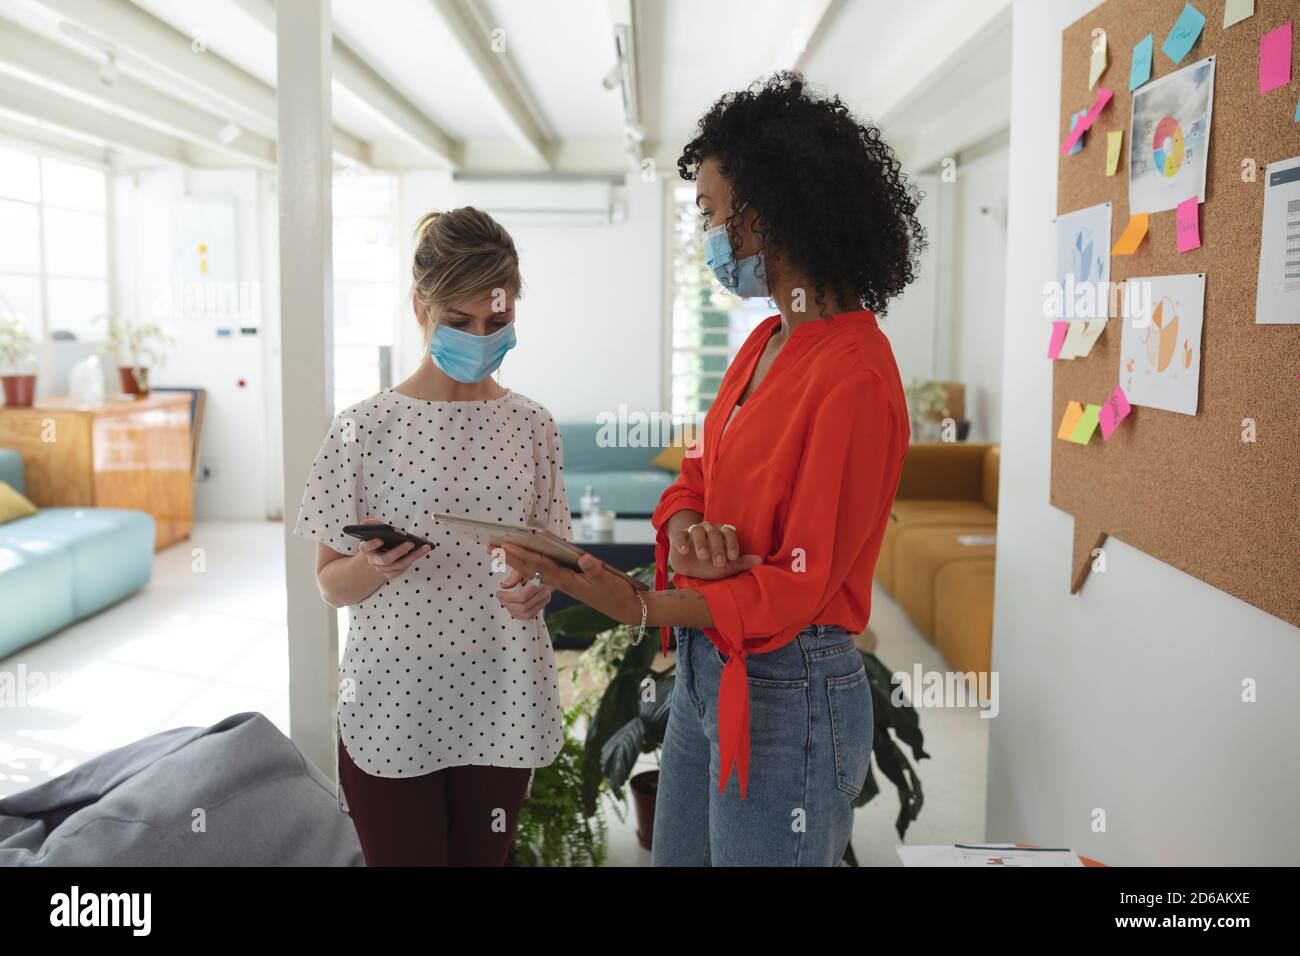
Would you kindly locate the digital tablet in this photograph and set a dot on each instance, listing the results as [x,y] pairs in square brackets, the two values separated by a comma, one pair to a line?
[534,539]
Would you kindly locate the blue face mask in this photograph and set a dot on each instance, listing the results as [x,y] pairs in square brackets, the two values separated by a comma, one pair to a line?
[746,278]
[470,358]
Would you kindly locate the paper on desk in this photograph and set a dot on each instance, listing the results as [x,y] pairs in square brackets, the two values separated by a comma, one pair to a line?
[986,855]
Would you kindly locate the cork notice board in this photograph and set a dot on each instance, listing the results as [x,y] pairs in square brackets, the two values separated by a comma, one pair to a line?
[1187,489]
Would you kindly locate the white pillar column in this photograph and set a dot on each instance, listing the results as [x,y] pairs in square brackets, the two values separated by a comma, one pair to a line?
[303,45]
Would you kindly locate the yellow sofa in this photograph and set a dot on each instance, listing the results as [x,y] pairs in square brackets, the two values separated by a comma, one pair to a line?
[936,559]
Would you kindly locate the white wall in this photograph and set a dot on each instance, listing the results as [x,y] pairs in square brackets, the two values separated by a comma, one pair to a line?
[591,319]
[978,288]
[1126,697]
[235,441]
[912,322]
[419,192]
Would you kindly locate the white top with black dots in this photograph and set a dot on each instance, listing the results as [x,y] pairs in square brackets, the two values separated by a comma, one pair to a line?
[436,672]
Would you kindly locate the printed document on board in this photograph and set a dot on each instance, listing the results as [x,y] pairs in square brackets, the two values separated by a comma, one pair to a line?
[1277,300]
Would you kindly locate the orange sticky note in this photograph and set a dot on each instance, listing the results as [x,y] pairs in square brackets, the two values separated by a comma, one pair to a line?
[1073,412]
[1134,233]
[1189,225]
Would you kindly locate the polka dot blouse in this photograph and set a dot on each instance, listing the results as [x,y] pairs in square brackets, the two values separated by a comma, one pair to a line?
[436,673]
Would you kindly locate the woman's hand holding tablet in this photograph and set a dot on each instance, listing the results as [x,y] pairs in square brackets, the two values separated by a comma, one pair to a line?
[535,540]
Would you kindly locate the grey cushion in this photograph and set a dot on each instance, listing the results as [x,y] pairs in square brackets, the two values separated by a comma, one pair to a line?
[263,804]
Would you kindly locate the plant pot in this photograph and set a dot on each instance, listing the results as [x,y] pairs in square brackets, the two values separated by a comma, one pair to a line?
[20,390]
[645,786]
[135,381]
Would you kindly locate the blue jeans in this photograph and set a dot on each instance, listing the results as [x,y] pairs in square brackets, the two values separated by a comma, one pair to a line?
[810,731]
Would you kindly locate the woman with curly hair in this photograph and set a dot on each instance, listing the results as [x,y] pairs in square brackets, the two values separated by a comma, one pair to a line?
[773,530]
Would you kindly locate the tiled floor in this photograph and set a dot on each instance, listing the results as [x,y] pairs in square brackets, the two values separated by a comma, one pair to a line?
[206,639]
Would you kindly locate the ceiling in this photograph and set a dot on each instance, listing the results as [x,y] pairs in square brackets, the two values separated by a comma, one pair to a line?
[492,86]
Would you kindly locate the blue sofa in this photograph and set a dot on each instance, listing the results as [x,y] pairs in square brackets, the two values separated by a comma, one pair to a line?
[623,477]
[63,564]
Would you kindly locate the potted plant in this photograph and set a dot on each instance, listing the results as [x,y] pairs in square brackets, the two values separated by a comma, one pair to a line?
[137,346]
[626,688]
[554,827]
[629,720]
[927,402]
[17,358]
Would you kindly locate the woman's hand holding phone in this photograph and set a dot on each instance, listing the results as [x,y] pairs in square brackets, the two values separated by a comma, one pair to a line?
[392,562]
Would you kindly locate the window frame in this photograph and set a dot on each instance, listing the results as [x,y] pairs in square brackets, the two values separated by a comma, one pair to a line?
[44,347]
[670,349]
[392,215]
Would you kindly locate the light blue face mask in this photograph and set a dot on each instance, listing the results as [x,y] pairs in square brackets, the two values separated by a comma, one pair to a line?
[746,278]
[467,357]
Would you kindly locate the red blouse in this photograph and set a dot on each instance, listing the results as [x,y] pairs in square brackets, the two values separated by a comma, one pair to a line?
[806,472]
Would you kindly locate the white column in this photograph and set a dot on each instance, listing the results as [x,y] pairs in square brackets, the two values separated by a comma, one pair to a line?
[303,43]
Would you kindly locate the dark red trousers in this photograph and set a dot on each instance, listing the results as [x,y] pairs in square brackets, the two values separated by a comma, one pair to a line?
[461,816]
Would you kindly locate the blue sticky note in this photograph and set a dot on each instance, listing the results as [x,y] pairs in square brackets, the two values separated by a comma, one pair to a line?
[1074,121]
[1184,34]
[1140,71]
[1297,111]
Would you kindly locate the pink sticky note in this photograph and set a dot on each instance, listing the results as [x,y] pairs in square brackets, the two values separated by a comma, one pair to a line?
[1113,412]
[1275,58]
[1099,104]
[1058,337]
[1189,225]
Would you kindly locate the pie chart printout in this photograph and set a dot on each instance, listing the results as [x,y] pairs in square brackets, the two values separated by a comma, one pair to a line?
[1168,146]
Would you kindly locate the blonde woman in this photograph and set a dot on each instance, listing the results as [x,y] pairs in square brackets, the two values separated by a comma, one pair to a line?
[448,697]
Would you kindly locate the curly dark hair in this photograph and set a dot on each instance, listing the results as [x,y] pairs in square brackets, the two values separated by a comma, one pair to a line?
[827,191]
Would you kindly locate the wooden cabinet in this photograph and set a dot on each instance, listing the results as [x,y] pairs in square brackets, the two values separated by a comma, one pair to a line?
[125,454]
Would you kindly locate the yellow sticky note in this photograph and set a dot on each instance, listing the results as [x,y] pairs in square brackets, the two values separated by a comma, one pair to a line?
[1087,337]
[1237,10]
[1114,140]
[1086,425]
[1073,412]
[1134,233]
[1097,65]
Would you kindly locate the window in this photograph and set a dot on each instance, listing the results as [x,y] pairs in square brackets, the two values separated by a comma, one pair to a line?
[367,290]
[709,324]
[53,245]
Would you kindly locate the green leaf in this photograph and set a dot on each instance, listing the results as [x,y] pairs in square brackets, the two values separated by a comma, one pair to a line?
[619,755]
[620,703]
[902,718]
[578,620]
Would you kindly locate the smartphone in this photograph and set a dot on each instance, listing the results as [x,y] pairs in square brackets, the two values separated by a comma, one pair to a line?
[390,536]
